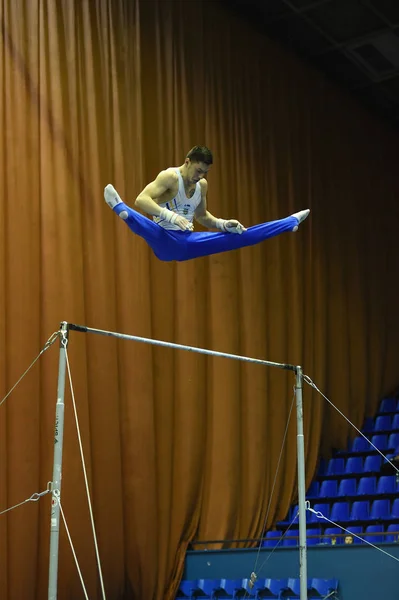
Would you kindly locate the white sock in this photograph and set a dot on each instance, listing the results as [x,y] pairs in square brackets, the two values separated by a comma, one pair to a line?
[112,198]
[301,216]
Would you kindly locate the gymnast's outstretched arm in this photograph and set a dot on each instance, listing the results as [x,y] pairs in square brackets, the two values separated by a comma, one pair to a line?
[147,199]
[205,218]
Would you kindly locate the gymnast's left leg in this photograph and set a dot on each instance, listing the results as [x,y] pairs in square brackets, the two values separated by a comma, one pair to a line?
[205,243]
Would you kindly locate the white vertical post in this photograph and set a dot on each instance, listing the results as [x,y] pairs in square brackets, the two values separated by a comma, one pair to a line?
[303,571]
[57,466]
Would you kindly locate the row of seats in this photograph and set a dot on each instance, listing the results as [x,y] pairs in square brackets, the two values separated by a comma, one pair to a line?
[355,465]
[382,423]
[376,534]
[346,488]
[387,441]
[263,587]
[346,512]
[359,510]
[389,405]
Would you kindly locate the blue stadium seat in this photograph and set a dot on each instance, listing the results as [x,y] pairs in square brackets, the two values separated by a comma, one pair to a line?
[293,587]
[187,589]
[374,539]
[357,529]
[372,464]
[383,423]
[333,531]
[207,588]
[359,444]
[395,509]
[347,487]
[360,511]
[340,512]
[313,491]
[259,587]
[313,541]
[271,539]
[328,488]
[395,421]
[393,441]
[380,441]
[388,405]
[276,587]
[247,588]
[367,486]
[323,508]
[231,587]
[393,533]
[322,588]
[386,484]
[294,535]
[354,465]
[381,509]
[335,466]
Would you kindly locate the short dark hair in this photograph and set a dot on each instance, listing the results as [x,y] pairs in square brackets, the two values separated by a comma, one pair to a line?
[200,154]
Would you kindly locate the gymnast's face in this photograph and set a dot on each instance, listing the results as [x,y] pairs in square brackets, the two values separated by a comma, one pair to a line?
[196,171]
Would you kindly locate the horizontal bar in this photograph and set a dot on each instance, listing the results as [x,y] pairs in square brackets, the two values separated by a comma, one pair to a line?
[135,338]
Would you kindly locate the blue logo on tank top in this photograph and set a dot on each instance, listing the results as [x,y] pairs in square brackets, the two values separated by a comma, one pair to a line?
[186,208]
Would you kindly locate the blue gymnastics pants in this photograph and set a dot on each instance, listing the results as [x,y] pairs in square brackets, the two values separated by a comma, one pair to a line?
[169,245]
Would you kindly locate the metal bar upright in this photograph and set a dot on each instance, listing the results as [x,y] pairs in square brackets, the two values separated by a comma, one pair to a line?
[57,466]
[301,487]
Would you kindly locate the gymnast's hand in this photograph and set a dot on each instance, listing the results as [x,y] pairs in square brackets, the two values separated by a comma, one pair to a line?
[233,226]
[176,219]
[184,224]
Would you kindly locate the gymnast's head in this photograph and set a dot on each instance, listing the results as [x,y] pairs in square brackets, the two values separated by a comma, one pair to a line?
[197,163]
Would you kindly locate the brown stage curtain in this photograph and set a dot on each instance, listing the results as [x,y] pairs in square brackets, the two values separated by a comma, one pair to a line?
[178,446]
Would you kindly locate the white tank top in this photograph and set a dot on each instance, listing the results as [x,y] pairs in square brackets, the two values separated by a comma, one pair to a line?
[180,204]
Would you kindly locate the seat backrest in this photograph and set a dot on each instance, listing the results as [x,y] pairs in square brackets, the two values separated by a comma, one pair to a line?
[381,509]
[354,464]
[340,511]
[294,586]
[388,405]
[328,488]
[374,539]
[395,420]
[323,586]
[357,529]
[322,508]
[386,484]
[276,586]
[383,423]
[393,533]
[360,510]
[335,466]
[314,489]
[291,538]
[314,536]
[393,441]
[372,464]
[380,441]
[359,444]
[367,486]
[347,487]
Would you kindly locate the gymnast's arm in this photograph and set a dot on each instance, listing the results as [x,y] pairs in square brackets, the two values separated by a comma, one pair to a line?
[147,199]
[202,215]
[205,218]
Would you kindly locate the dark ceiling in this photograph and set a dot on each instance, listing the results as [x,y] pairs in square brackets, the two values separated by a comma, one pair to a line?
[354,42]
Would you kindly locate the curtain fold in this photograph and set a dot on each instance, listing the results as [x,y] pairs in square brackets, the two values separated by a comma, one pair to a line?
[179,447]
